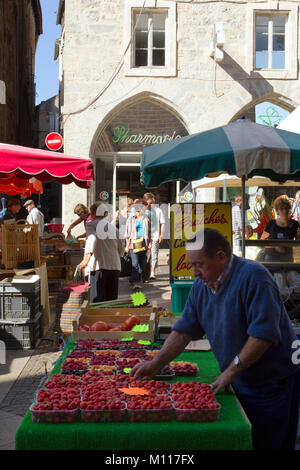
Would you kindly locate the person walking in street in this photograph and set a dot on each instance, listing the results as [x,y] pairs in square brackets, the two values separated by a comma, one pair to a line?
[137,240]
[35,216]
[237,303]
[121,216]
[157,226]
[237,225]
[102,253]
[83,216]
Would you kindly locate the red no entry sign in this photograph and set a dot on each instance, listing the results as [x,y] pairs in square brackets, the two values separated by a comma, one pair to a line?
[54,141]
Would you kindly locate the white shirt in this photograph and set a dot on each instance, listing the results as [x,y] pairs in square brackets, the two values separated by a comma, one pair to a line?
[36,217]
[106,252]
[157,218]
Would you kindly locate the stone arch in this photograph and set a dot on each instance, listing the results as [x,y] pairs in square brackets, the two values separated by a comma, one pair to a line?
[138,99]
[276,98]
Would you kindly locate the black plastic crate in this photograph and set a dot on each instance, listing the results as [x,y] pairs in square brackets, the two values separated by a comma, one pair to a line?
[21,335]
[19,300]
[19,307]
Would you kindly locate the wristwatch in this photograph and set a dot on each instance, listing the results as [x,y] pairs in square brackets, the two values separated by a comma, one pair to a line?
[237,362]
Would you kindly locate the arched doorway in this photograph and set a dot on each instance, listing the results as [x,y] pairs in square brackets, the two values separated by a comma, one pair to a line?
[119,144]
[269,110]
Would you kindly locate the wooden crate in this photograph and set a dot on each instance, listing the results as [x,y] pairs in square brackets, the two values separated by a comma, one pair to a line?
[56,272]
[114,317]
[61,245]
[20,242]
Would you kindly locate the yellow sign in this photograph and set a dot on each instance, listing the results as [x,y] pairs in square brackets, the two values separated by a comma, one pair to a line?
[186,220]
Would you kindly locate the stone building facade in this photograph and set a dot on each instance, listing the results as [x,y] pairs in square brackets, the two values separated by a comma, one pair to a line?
[20,27]
[159,68]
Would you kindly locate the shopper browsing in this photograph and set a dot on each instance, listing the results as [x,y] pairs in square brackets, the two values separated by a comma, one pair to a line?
[34,216]
[237,303]
[102,253]
[83,216]
[157,224]
[137,240]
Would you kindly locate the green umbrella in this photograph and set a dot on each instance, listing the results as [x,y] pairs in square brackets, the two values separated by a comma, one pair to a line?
[241,148]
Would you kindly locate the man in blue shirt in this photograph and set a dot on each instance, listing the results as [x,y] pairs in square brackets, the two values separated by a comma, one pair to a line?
[236,302]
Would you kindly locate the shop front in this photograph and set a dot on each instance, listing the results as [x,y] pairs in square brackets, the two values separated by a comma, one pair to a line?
[119,148]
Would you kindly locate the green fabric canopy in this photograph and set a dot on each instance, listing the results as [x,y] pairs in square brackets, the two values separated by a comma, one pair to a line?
[241,148]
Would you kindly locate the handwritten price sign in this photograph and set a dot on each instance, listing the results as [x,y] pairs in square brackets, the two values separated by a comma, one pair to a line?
[186,220]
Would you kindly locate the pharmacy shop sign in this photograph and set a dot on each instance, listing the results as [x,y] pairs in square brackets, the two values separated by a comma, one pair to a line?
[122,134]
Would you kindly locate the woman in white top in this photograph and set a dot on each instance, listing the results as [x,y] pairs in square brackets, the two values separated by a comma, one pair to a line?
[102,253]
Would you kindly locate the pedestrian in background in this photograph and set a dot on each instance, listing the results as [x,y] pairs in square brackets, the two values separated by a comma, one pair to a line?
[137,240]
[295,214]
[237,225]
[157,226]
[121,216]
[35,216]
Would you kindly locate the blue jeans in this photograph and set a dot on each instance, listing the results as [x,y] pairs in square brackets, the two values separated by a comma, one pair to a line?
[137,260]
[273,412]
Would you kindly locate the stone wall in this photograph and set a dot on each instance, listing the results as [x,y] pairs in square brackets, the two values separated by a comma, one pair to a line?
[20,25]
[203,94]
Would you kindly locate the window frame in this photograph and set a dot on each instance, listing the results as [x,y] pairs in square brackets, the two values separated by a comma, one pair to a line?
[291,49]
[270,49]
[150,14]
[133,7]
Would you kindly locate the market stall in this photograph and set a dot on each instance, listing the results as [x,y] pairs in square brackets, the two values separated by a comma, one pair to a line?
[242,148]
[231,431]
[22,171]
[245,151]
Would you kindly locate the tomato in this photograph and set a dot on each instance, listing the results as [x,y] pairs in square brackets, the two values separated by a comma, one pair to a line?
[84,328]
[99,326]
[131,322]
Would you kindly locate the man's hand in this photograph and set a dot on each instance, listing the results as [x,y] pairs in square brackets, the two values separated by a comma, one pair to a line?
[223,381]
[160,239]
[144,370]
[83,264]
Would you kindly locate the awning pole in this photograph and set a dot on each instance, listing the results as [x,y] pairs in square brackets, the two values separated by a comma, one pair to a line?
[114,184]
[243,213]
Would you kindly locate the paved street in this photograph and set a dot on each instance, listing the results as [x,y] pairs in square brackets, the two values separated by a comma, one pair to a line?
[25,370]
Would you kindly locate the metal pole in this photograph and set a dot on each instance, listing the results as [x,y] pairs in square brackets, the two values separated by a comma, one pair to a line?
[177,190]
[114,184]
[224,191]
[243,213]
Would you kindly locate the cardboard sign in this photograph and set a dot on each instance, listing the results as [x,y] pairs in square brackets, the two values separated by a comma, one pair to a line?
[186,220]
[199,345]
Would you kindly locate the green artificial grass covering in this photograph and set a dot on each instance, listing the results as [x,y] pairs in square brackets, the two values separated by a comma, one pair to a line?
[230,432]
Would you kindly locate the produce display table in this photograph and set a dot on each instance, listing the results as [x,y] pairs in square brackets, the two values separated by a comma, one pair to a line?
[231,432]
